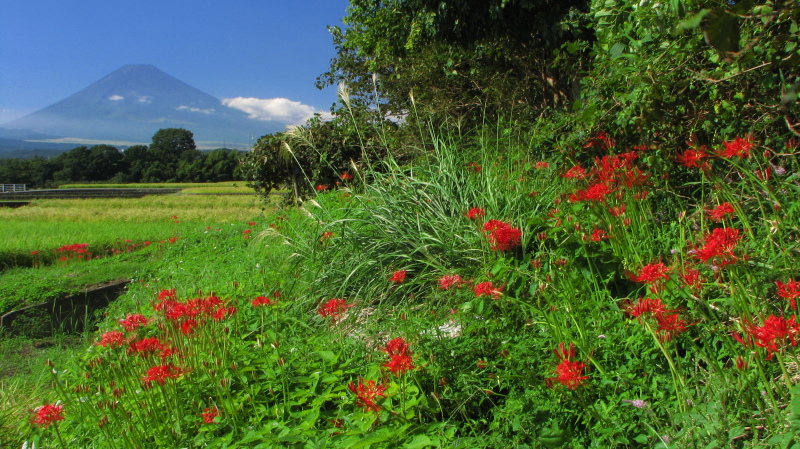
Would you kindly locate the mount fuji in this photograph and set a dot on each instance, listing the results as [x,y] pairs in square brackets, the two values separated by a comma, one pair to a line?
[132,103]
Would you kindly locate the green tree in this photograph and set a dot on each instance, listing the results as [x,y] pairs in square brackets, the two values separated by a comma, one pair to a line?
[169,147]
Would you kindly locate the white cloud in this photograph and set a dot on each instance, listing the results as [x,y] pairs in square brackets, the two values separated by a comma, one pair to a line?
[278,109]
[116,97]
[145,99]
[189,108]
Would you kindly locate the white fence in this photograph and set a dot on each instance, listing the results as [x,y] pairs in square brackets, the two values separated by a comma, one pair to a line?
[12,188]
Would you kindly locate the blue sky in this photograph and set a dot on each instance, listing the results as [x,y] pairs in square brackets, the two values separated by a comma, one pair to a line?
[240,49]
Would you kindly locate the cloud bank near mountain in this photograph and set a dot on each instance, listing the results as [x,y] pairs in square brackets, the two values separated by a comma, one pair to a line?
[277,109]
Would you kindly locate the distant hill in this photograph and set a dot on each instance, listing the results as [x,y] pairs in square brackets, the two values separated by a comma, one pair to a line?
[135,101]
[20,149]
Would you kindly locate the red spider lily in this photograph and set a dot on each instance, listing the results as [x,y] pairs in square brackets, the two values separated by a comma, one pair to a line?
[48,414]
[475,167]
[133,322]
[146,346]
[596,192]
[346,176]
[646,306]
[334,308]
[111,339]
[693,158]
[475,212]
[719,212]
[576,172]
[251,223]
[445,282]
[262,301]
[321,188]
[719,246]
[502,236]
[188,326]
[366,393]
[736,148]
[651,273]
[161,373]
[691,278]
[541,165]
[399,363]
[209,413]
[775,330]
[670,324]
[568,373]
[598,235]
[222,312]
[167,294]
[790,291]
[398,277]
[487,289]
[601,140]
[616,211]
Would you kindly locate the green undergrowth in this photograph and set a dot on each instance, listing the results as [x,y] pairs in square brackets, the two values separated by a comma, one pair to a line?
[485,294]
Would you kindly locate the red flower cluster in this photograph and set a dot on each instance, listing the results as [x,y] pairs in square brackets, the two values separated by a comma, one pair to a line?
[609,174]
[718,213]
[694,157]
[486,288]
[718,247]
[447,281]
[398,277]
[161,373]
[669,322]
[333,308]
[399,356]
[790,291]
[366,393]
[262,301]
[775,330]
[568,372]
[736,148]
[48,414]
[133,322]
[502,236]
[149,346]
[188,315]
[346,176]
[209,413]
[111,339]
[651,274]
[475,212]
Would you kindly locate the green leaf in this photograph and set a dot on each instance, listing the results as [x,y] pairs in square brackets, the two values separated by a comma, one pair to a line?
[694,21]
[419,441]
[616,50]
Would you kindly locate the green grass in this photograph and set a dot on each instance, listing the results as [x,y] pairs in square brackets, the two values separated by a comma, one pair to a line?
[163,185]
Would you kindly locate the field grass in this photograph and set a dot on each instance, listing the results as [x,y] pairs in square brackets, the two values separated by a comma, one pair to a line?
[145,185]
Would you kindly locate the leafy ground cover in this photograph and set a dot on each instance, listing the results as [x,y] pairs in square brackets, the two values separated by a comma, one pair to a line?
[484,295]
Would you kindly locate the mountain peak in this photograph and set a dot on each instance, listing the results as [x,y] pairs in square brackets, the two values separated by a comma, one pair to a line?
[136,100]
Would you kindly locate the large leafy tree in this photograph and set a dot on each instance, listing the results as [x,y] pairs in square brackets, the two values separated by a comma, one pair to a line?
[460,56]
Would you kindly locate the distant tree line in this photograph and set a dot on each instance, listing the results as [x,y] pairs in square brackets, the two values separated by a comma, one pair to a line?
[171,157]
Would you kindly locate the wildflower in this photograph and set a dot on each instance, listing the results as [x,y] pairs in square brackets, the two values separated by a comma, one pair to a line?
[321,188]
[251,223]
[736,148]
[133,322]
[167,294]
[775,330]
[161,373]
[399,363]
[693,158]
[596,192]
[486,288]
[790,291]
[719,212]
[670,324]
[475,167]
[111,339]
[262,301]
[598,235]
[638,403]
[616,211]
[146,346]
[646,306]
[651,273]
[691,278]
[502,236]
[48,414]
[576,172]
[346,176]
[568,373]
[398,277]
[445,282]
[541,165]
[333,308]
[188,326]
[209,413]
[366,393]
[475,212]
[172,239]
[719,246]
